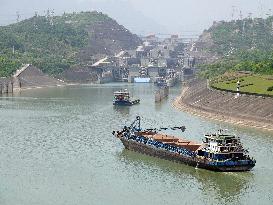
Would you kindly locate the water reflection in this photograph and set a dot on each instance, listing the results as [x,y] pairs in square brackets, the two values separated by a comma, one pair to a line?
[217,186]
[123,111]
[159,106]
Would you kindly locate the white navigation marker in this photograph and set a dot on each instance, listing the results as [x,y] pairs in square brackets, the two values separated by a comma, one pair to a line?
[238,89]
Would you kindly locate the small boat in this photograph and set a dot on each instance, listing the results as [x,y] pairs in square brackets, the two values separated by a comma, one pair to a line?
[122,97]
[219,152]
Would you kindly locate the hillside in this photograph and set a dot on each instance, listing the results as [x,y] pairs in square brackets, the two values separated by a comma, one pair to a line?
[225,38]
[239,45]
[57,43]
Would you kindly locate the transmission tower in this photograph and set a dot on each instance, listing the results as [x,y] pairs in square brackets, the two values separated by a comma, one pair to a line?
[241,15]
[261,8]
[47,14]
[17,16]
[51,18]
[35,20]
[244,25]
[233,12]
[250,15]
[253,34]
[269,13]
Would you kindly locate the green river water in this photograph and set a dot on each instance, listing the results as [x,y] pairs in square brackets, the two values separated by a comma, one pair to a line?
[56,148]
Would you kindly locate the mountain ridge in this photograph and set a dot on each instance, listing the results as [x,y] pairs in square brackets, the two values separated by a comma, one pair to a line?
[57,43]
[241,45]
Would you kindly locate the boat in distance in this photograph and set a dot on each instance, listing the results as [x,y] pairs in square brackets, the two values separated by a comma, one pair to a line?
[123,98]
[219,151]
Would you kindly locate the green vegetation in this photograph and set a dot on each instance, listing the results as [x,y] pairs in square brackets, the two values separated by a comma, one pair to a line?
[270,88]
[248,83]
[8,66]
[246,34]
[242,45]
[256,61]
[50,43]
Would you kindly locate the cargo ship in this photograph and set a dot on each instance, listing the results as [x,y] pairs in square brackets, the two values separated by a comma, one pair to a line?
[123,98]
[219,151]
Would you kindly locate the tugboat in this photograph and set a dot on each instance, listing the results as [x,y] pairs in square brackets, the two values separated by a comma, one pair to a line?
[218,152]
[122,97]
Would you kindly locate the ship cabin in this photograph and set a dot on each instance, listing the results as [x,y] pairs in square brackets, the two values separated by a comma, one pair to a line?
[122,97]
[222,147]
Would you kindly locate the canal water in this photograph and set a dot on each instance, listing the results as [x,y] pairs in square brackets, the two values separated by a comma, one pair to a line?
[56,147]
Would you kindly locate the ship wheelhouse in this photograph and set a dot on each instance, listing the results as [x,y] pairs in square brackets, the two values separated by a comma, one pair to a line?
[122,95]
[221,147]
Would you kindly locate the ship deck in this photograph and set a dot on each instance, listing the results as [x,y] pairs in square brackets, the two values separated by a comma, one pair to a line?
[172,140]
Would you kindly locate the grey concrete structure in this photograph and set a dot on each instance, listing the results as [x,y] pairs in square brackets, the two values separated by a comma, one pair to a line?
[6,85]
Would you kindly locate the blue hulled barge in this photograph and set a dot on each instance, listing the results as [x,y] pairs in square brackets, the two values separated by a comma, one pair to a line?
[218,152]
[123,98]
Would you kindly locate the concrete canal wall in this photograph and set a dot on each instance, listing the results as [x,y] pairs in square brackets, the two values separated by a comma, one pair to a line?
[27,77]
[161,94]
[6,85]
[246,110]
[32,77]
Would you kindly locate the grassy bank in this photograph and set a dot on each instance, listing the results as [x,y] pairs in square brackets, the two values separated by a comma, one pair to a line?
[254,84]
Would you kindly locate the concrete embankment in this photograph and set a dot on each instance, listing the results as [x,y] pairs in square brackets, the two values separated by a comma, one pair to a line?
[6,85]
[250,111]
[28,77]
[32,77]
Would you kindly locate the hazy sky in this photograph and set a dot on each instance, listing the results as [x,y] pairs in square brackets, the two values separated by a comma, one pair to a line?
[146,16]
